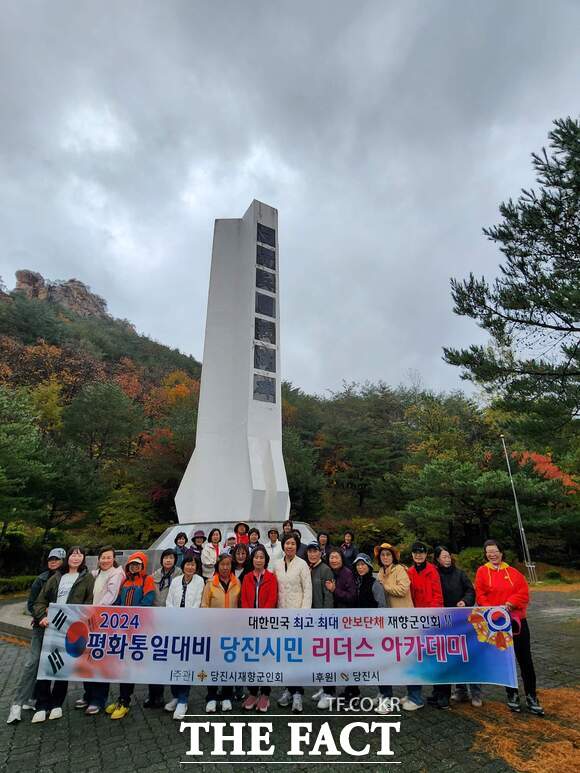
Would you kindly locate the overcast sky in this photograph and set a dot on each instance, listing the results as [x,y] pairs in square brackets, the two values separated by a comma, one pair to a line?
[386,134]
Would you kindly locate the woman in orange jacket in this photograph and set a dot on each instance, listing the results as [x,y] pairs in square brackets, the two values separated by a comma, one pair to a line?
[499,584]
[222,591]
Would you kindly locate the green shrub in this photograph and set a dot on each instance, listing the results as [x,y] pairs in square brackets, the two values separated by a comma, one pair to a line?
[16,584]
[553,574]
[470,560]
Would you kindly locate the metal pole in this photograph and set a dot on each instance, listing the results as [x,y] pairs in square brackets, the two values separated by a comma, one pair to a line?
[527,557]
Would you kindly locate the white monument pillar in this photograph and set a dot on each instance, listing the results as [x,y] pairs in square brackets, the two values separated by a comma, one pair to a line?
[237,471]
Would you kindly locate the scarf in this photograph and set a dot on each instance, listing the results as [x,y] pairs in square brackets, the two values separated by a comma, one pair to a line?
[166,577]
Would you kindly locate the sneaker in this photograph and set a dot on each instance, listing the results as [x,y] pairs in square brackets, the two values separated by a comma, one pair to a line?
[81,703]
[150,703]
[263,703]
[55,713]
[211,707]
[409,705]
[14,714]
[324,703]
[461,696]
[120,712]
[534,706]
[111,707]
[285,699]
[384,707]
[318,694]
[172,705]
[297,703]
[513,701]
[29,705]
[180,711]
[39,716]
[443,703]
[250,703]
[226,705]
[477,703]
[92,709]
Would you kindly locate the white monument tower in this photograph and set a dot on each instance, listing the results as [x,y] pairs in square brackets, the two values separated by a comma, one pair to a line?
[237,471]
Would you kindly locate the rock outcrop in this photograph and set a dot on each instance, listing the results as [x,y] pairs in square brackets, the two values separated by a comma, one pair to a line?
[73,294]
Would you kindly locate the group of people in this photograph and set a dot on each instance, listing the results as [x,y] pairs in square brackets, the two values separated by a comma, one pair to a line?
[281,573]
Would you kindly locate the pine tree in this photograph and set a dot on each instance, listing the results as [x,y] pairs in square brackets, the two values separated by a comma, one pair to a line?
[532,310]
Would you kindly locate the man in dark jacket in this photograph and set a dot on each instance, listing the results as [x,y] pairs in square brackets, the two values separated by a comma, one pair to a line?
[25,690]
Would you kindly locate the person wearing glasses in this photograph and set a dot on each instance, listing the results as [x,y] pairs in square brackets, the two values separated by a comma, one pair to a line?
[499,584]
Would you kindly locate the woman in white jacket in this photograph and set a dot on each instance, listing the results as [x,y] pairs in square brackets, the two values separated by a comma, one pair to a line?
[294,592]
[108,579]
[210,553]
[185,592]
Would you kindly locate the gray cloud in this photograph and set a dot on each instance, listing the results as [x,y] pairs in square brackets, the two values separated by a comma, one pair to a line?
[385,132]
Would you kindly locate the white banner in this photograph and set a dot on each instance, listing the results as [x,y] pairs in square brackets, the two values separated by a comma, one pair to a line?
[278,646]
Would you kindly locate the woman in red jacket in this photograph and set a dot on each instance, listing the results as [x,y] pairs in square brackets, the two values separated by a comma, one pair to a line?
[499,584]
[259,591]
[426,592]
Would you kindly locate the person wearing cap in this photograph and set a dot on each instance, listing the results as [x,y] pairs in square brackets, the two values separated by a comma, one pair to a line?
[426,588]
[230,542]
[322,598]
[426,592]
[241,531]
[294,592]
[210,553]
[393,577]
[259,591]
[137,590]
[180,546]
[185,593]
[24,696]
[223,591]
[197,546]
[274,546]
[369,595]
[348,549]
[320,574]
[73,584]
[369,592]
[162,577]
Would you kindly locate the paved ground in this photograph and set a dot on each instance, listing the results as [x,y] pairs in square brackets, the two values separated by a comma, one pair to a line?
[463,740]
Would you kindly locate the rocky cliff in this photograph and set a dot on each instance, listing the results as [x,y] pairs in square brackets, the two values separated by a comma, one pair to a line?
[73,294]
